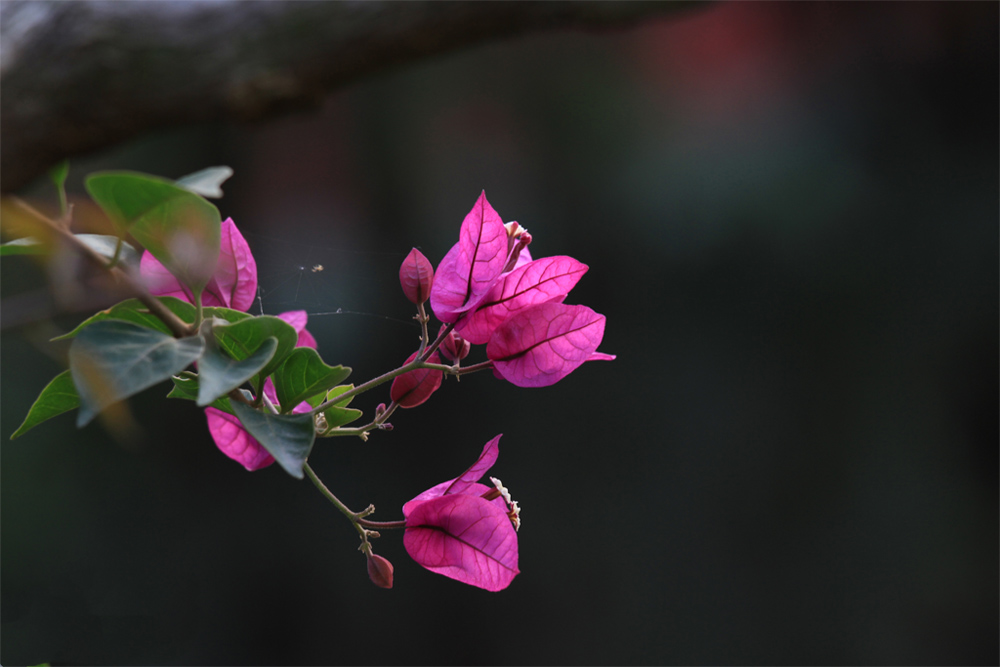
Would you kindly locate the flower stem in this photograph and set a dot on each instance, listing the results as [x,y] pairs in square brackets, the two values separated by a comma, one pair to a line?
[357,519]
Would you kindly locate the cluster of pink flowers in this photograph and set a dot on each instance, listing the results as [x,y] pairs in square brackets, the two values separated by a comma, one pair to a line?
[492,292]
[233,285]
[487,290]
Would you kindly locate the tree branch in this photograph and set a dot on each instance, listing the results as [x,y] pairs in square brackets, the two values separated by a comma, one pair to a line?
[79,76]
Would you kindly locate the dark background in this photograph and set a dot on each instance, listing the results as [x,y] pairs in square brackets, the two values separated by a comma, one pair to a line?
[790,212]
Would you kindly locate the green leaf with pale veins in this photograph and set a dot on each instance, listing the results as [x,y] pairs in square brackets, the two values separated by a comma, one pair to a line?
[59,396]
[218,373]
[288,438]
[241,339]
[112,359]
[302,375]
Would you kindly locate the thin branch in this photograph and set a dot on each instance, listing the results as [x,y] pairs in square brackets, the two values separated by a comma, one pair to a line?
[80,76]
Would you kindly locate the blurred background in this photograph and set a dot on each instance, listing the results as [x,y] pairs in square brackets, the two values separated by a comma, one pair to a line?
[790,211]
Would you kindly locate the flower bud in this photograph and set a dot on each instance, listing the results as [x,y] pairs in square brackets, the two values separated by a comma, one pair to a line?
[379,571]
[416,275]
[380,410]
[454,346]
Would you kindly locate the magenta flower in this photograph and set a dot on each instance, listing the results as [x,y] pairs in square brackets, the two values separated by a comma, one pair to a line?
[493,291]
[233,285]
[466,530]
[546,279]
[544,343]
[468,271]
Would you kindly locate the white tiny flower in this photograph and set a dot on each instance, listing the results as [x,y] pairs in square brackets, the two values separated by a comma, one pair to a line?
[502,489]
[515,515]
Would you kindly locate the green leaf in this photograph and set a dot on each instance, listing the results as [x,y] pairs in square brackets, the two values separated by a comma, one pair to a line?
[179,228]
[241,339]
[186,387]
[227,314]
[59,396]
[218,373]
[288,438]
[207,182]
[58,175]
[133,310]
[303,374]
[112,359]
[335,416]
[23,246]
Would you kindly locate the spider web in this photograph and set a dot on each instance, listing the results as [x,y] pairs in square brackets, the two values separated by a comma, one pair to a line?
[316,278]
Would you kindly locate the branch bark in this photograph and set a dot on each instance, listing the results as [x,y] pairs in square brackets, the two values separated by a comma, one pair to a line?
[79,76]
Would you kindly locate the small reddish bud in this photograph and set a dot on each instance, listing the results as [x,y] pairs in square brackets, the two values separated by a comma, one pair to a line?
[413,388]
[380,410]
[454,346]
[379,571]
[416,275]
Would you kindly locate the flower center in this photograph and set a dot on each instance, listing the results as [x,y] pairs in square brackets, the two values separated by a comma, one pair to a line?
[500,491]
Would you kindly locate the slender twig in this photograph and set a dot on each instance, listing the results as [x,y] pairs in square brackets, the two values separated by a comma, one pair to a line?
[178,327]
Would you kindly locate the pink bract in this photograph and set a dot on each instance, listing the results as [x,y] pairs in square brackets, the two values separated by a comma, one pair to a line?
[469,270]
[466,538]
[452,530]
[413,388]
[298,319]
[546,279]
[233,285]
[544,343]
[233,440]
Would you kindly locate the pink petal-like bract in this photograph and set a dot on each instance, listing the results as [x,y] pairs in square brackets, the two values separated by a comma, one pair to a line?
[298,319]
[232,285]
[464,482]
[416,276]
[544,343]
[466,538]
[413,388]
[546,279]
[159,281]
[467,273]
[233,441]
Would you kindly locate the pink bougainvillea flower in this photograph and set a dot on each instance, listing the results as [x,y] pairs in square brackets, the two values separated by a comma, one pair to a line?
[546,279]
[233,285]
[416,276]
[452,529]
[413,388]
[469,270]
[544,343]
